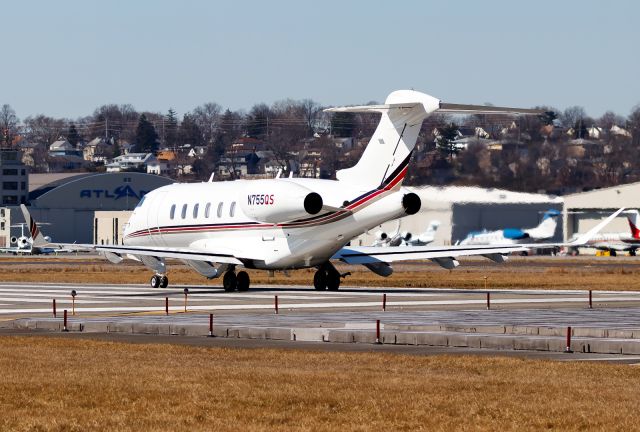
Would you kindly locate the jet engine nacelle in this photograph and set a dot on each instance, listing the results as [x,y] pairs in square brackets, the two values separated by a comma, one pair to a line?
[23,242]
[411,203]
[406,235]
[276,201]
[14,240]
[381,235]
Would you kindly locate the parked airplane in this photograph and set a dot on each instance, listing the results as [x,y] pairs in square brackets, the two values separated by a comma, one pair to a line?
[615,242]
[290,223]
[428,236]
[544,231]
[384,239]
[406,238]
[24,244]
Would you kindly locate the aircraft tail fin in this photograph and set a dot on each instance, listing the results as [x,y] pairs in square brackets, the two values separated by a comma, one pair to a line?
[547,228]
[635,232]
[385,159]
[36,235]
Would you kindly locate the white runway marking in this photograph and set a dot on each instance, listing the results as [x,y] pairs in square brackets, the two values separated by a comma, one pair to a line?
[16,298]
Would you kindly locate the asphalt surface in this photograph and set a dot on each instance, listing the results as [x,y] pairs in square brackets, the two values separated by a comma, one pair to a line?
[303,307]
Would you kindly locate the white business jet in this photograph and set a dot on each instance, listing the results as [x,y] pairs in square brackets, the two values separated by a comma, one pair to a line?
[24,244]
[292,223]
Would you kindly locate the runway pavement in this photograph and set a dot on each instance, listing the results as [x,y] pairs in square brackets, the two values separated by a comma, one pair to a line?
[29,299]
[518,320]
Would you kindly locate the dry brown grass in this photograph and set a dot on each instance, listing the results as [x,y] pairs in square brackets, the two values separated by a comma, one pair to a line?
[552,273]
[51,384]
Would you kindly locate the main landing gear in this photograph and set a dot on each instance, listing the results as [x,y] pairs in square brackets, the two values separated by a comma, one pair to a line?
[232,281]
[159,281]
[326,278]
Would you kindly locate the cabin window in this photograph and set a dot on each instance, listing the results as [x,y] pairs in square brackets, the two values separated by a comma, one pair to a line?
[173,211]
[195,211]
[232,209]
[220,209]
[207,210]
[184,211]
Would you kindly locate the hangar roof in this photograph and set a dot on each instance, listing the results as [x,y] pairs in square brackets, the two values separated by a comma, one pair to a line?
[471,194]
[103,191]
[606,198]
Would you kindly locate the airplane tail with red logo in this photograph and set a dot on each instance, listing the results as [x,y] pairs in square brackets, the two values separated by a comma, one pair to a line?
[635,232]
[385,159]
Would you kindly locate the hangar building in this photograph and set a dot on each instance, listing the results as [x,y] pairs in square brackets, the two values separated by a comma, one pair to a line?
[584,210]
[68,204]
[461,210]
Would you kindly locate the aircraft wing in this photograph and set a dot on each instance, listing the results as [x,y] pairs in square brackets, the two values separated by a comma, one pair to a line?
[121,251]
[372,254]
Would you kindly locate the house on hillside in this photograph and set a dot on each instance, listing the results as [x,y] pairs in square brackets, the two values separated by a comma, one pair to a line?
[62,147]
[96,150]
[129,162]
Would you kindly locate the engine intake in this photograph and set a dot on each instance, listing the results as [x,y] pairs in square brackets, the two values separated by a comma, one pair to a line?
[313,203]
[411,203]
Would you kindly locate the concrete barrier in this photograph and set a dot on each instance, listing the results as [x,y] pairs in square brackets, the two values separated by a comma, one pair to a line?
[510,337]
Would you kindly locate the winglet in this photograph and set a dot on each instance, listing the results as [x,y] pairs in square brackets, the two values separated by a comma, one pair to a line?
[36,234]
[584,238]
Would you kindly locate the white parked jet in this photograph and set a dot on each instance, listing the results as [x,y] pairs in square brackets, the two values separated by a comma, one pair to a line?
[406,238]
[290,223]
[24,244]
[426,237]
[544,231]
[615,242]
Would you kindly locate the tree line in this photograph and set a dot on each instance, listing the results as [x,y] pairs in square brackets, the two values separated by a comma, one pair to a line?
[534,153]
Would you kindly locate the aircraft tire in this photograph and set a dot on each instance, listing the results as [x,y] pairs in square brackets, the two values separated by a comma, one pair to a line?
[613,253]
[320,280]
[155,281]
[164,282]
[333,280]
[229,281]
[632,252]
[243,281]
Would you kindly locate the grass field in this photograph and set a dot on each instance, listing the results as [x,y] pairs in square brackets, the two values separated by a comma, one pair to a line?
[545,273]
[56,384]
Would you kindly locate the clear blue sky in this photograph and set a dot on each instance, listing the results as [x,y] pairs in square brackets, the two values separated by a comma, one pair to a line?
[65,58]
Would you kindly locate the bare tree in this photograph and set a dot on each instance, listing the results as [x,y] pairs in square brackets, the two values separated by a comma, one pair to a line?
[207,118]
[44,130]
[8,125]
[572,115]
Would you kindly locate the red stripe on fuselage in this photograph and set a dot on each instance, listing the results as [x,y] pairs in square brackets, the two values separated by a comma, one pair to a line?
[326,219]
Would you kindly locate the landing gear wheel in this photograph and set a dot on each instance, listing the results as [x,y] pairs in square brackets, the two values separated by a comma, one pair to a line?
[320,280]
[632,252]
[243,281]
[613,253]
[155,281]
[333,280]
[164,282]
[229,281]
